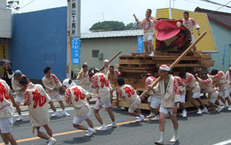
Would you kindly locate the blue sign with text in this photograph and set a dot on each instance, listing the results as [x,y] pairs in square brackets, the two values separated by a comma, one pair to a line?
[75,50]
[140,47]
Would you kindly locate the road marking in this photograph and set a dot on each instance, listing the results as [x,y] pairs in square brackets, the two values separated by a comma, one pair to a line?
[223,142]
[76,131]
[70,132]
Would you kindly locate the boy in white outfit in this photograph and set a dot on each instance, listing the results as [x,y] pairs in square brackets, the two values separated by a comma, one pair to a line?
[6,113]
[18,88]
[153,101]
[190,81]
[220,78]
[213,93]
[101,87]
[182,94]
[77,96]
[53,85]
[37,100]
[129,94]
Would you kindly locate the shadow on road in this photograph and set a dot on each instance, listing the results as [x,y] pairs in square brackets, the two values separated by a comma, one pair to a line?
[78,140]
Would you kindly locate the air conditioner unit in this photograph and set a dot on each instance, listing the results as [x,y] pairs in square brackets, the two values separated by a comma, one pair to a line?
[100,56]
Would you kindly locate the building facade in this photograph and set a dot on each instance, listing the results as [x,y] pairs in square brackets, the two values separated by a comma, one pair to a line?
[5,31]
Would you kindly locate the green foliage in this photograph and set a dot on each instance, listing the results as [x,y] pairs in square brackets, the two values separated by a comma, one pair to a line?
[111,26]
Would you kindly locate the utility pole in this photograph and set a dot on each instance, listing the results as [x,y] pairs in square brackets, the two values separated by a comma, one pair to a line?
[170,10]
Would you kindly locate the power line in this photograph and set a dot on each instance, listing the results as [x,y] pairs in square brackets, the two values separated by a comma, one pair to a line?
[198,3]
[27,4]
[224,5]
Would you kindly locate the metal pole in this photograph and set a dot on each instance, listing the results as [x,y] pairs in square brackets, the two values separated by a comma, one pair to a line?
[170,11]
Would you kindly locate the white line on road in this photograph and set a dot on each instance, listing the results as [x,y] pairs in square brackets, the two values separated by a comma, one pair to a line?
[223,142]
[58,109]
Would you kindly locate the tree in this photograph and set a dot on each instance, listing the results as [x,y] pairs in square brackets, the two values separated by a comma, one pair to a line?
[112,26]
[107,26]
[132,26]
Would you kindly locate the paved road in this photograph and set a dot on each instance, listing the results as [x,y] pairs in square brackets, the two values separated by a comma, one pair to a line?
[208,129]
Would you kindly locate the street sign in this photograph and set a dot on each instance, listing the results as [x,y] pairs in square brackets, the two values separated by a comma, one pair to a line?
[75,50]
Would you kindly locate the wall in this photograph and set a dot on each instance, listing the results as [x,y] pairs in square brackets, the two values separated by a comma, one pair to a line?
[39,39]
[5,23]
[109,47]
[221,35]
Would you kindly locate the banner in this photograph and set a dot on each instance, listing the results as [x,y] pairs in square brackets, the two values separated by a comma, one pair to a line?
[75,50]
[140,47]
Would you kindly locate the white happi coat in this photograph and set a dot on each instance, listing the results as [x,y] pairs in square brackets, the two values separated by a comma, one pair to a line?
[171,95]
[50,85]
[77,96]
[37,100]
[149,81]
[17,87]
[128,93]
[192,83]
[101,86]
[220,78]
[6,108]
[181,85]
[147,25]
[228,78]
[84,80]
[209,86]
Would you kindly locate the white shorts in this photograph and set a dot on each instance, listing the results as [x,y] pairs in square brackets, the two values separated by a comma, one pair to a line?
[148,36]
[132,108]
[165,110]
[224,93]
[192,37]
[212,100]
[19,99]
[6,124]
[79,120]
[155,102]
[196,95]
[57,97]
[182,98]
[100,102]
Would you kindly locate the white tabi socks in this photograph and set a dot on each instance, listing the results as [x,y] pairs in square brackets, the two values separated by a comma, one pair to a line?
[175,136]
[161,140]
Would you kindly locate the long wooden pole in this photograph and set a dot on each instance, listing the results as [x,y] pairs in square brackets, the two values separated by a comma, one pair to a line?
[111,60]
[175,62]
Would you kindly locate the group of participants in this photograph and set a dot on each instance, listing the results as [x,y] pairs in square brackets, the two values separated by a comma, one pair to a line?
[164,98]
[169,94]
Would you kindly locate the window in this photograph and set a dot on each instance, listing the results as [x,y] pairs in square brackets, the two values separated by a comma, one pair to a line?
[95,53]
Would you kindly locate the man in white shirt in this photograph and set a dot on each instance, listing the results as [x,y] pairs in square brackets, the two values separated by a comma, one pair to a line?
[53,85]
[6,113]
[78,98]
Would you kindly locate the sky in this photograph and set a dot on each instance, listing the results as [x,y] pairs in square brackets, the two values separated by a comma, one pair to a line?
[93,11]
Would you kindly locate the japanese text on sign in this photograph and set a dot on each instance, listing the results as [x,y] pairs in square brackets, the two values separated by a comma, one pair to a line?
[75,18]
[75,50]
